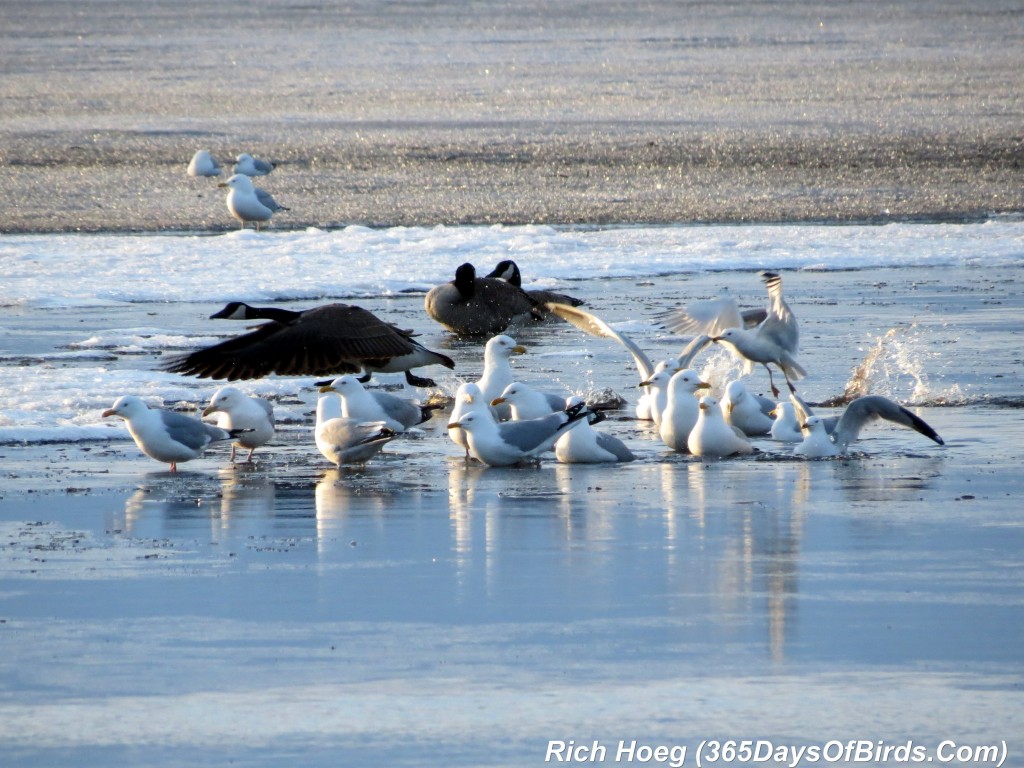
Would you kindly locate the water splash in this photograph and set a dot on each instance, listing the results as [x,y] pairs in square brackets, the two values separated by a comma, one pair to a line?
[896,366]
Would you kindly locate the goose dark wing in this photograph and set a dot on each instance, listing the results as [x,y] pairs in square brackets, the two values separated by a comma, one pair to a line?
[332,339]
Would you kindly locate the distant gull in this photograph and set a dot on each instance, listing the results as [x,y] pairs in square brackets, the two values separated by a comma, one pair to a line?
[774,340]
[594,326]
[585,445]
[747,411]
[477,306]
[820,441]
[397,413]
[682,409]
[327,340]
[247,165]
[712,436]
[249,203]
[527,402]
[203,164]
[508,270]
[347,441]
[786,428]
[235,410]
[166,435]
[500,444]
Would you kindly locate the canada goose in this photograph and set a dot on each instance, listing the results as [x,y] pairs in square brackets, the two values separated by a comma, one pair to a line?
[508,270]
[330,339]
[477,306]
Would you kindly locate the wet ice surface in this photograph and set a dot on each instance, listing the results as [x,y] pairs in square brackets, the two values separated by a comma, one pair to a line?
[422,611]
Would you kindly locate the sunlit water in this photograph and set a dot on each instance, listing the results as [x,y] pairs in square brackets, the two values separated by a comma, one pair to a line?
[426,611]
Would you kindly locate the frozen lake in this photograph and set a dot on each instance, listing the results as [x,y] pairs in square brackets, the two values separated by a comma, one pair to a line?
[423,611]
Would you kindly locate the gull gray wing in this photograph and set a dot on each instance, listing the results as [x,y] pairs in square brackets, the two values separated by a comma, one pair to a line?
[403,411]
[528,434]
[869,408]
[191,432]
[615,447]
[592,325]
[709,317]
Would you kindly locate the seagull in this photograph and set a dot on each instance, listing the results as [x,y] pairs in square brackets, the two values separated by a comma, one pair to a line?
[711,436]
[502,444]
[397,413]
[497,370]
[820,441]
[785,428]
[203,164]
[247,165]
[527,402]
[681,409]
[347,441]
[468,399]
[236,411]
[508,270]
[657,392]
[325,340]
[774,339]
[585,445]
[746,411]
[592,325]
[249,203]
[477,306]
[167,436]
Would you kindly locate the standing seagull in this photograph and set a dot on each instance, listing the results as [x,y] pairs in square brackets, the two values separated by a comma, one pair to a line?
[468,399]
[711,436]
[682,409]
[477,306]
[247,165]
[203,164]
[236,411]
[397,413]
[819,441]
[247,202]
[498,370]
[512,442]
[347,441]
[166,435]
[331,339]
[774,339]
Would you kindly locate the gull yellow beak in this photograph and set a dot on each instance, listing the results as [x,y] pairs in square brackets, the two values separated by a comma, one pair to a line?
[498,401]
[208,410]
[518,349]
[109,412]
[326,388]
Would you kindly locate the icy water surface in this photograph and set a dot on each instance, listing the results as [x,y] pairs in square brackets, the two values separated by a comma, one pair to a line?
[422,611]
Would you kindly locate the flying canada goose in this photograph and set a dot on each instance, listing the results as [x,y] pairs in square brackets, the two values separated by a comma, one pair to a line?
[325,340]
[477,306]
